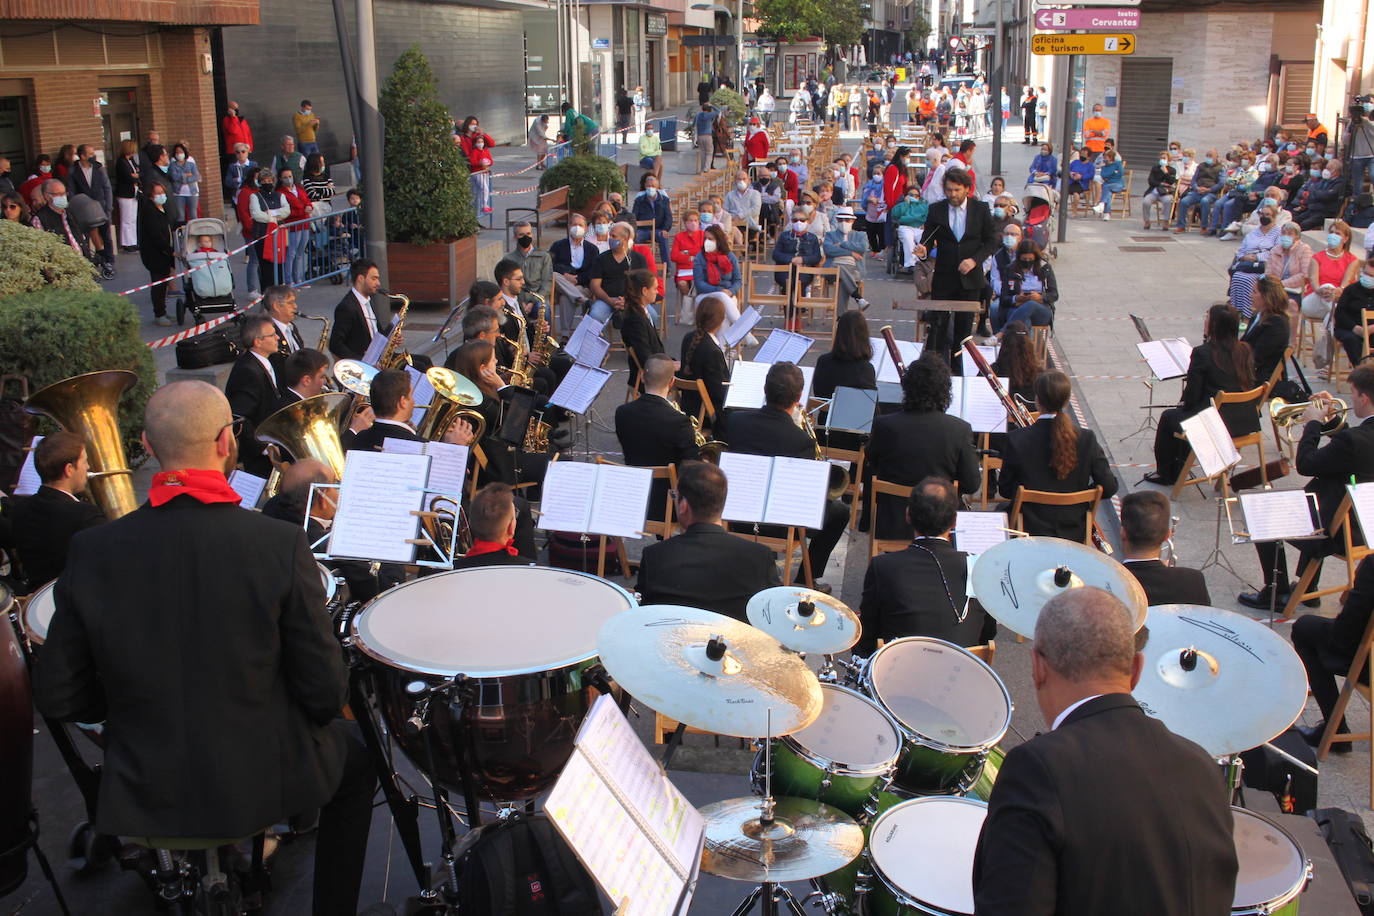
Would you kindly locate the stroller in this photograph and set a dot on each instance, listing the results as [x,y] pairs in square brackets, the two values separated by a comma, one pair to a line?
[1039,206]
[209,290]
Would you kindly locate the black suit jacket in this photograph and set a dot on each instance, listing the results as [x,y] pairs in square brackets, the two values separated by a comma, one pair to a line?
[288,397]
[560,252]
[908,446]
[253,395]
[1348,453]
[640,336]
[370,439]
[1169,584]
[768,431]
[1205,378]
[703,359]
[350,336]
[1026,462]
[44,524]
[979,243]
[904,595]
[833,372]
[98,188]
[706,567]
[1267,339]
[203,675]
[653,433]
[1109,813]
[495,558]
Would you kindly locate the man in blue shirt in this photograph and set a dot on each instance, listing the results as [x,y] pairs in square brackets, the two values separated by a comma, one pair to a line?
[702,126]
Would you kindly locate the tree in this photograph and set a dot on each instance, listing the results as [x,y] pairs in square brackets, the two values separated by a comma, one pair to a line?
[836,21]
[424,173]
[919,33]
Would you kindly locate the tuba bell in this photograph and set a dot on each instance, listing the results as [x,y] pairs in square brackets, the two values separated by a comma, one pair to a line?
[310,428]
[89,406]
[454,396]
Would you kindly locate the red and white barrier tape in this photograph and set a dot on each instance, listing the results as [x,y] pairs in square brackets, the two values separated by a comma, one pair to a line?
[201,328]
[534,187]
[191,270]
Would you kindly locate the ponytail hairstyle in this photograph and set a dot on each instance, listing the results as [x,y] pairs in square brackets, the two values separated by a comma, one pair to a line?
[638,283]
[1052,396]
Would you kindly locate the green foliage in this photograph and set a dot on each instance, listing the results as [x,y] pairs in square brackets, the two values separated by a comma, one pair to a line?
[582,143]
[838,22]
[731,104]
[424,173]
[53,334]
[920,29]
[31,259]
[586,175]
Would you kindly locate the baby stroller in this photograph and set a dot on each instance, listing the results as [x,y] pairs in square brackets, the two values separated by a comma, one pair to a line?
[209,290]
[1039,208]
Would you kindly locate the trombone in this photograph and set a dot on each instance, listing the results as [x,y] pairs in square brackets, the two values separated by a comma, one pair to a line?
[1287,418]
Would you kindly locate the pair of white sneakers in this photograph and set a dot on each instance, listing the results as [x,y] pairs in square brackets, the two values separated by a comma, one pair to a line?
[1101,208]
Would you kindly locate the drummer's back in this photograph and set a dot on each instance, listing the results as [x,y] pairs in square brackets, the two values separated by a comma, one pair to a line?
[1136,816]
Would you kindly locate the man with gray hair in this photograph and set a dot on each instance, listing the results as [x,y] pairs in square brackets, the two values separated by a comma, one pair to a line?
[1108,811]
[535,262]
[253,389]
[52,217]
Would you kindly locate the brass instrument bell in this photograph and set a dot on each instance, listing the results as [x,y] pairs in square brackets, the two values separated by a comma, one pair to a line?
[88,405]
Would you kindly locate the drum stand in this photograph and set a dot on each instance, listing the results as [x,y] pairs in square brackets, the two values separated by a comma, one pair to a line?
[771,896]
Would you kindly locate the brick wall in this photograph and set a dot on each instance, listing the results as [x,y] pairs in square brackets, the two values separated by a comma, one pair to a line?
[184,12]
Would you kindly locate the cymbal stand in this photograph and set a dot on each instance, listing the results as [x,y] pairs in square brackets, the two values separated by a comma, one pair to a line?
[768,894]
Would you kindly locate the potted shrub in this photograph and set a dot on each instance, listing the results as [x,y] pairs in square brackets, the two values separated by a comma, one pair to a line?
[32,259]
[431,227]
[589,177]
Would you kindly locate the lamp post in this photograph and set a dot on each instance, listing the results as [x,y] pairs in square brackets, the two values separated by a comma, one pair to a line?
[738,16]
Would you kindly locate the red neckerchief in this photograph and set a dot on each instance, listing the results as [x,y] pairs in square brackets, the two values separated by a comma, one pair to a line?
[480,547]
[201,485]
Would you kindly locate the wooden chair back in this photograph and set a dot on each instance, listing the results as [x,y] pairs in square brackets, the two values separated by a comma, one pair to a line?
[1025,497]
[758,279]
[708,409]
[855,489]
[1253,396]
[821,295]
[879,487]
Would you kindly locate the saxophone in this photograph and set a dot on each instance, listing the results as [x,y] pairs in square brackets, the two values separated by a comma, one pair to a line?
[544,344]
[839,476]
[707,450]
[391,358]
[519,373]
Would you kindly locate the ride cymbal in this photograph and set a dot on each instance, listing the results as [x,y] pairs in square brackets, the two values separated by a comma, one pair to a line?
[804,620]
[1014,579]
[806,839]
[710,671]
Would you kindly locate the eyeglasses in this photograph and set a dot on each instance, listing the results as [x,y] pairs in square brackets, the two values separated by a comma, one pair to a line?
[236,425]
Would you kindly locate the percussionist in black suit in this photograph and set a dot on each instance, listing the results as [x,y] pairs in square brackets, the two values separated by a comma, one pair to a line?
[45,522]
[1145,526]
[1108,811]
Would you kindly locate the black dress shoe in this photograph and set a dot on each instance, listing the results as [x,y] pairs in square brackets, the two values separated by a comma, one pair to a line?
[1261,599]
[1313,737]
[1157,478]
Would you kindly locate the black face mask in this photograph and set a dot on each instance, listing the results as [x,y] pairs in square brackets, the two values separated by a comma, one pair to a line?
[524,241]
[268,186]
[1266,220]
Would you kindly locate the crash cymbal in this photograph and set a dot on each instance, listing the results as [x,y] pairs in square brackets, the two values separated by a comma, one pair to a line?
[710,671]
[1219,678]
[804,620]
[1014,579]
[806,839]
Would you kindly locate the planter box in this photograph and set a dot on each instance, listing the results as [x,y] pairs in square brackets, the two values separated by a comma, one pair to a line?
[440,273]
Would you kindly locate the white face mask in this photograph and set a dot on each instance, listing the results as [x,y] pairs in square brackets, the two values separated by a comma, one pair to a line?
[742,185]
[798,226]
[709,245]
[844,226]
[578,231]
[1326,174]
[652,192]
[603,229]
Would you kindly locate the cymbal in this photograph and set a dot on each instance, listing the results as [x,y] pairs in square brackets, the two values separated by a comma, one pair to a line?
[806,839]
[1244,686]
[804,620]
[455,387]
[1015,578]
[659,653]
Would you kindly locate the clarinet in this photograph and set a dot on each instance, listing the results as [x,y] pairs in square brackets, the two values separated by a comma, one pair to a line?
[891,340]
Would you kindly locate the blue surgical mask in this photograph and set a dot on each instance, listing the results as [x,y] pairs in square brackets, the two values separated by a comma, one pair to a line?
[1366,281]
[999,212]
[707,219]
[617,243]
[1326,173]
[1286,241]
[159,199]
[60,202]
[1315,173]
[652,192]
[1209,160]
[1010,241]
[1334,240]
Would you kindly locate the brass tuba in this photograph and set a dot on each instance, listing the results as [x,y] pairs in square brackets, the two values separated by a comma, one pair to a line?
[311,428]
[89,406]
[454,396]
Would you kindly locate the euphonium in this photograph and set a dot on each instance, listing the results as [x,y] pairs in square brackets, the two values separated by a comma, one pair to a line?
[1288,417]
[310,428]
[454,396]
[88,405]
[393,356]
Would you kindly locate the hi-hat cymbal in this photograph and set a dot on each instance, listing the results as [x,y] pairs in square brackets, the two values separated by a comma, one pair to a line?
[806,839]
[1219,678]
[709,671]
[1015,578]
[804,620]
[455,387]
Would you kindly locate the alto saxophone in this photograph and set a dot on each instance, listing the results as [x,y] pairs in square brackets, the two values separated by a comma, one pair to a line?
[519,373]
[392,356]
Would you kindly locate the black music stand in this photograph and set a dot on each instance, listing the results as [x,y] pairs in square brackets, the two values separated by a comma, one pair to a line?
[1149,423]
[940,334]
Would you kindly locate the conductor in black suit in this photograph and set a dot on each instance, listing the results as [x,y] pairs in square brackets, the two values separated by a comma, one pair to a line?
[961,230]
[1054,455]
[491,516]
[136,642]
[652,432]
[356,318]
[1108,811]
[922,590]
[1145,526]
[45,521]
[252,389]
[705,566]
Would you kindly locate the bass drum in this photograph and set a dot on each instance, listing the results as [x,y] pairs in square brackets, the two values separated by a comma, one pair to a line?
[16,755]
[524,637]
[1274,871]
[38,614]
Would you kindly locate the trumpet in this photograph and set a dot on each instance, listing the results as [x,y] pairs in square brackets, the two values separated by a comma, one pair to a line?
[1288,417]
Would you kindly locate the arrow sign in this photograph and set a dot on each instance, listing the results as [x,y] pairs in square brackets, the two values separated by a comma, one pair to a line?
[1116,20]
[1082,44]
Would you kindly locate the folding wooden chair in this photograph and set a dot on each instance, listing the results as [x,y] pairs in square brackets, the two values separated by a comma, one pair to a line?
[1343,531]
[1124,196]
[855,488]
[637,371]
[759,276]
[1352,684]
[1025,497]
[706,416]
[821,295]
[990,463]
[1255,396]
[1274,378]
[879,487]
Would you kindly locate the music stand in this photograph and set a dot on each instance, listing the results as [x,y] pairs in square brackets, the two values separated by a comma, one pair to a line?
[1148,424]
[446,554]
[1275,516]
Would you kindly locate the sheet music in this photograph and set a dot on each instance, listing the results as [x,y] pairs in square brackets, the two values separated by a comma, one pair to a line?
[969,369]
[975,532]
[594,351]
[1362,502]
[29,481]
[783,346]
[973,400]
[579,388]
[1167,358]
[1278,514]
[569,487]
[448,462]
[883,366]
[746,383]
[889,392]
[796,492]
[621,501]
[1211,442]
[248,486]
[588,329]
[746,493]
[376,498]
[740,329]
[423,394]
[374,349]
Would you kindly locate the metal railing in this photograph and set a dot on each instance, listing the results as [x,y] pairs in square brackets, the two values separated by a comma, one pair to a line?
[321,247]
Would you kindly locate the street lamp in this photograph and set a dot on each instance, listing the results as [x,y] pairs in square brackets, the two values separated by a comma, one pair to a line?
[738,16]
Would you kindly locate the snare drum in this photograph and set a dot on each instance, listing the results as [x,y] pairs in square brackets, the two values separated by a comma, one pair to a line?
[1273,869]
[921,853]
[38,614]
[523,635]
[951,707]
[843,758]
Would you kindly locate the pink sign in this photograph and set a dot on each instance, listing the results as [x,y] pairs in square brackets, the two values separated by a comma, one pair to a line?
[1104,20]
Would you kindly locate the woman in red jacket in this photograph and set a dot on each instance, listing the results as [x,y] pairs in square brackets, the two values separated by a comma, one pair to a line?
[298,237]
[477,150]
[756,144]
[686,244]
[894,184]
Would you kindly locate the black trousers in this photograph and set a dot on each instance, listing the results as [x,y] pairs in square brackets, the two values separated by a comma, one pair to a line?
[1274,562]
[159,292]
[820,544]
[345,820]
[948,329]
[1171,451]
[1310,632]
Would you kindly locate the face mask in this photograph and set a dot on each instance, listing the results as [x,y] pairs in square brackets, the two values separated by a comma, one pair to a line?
[158,199]
[1289,169]
[807,208]
[1173,154]
[1311,150]
[578,231]
[1266,150]
[1286,241]
[799,227]
[1326,173]
[742,185]
[795,161]
[60,201]
[1369,106]
[1265,219]
[1209,160]
[1011,241]
[603,229]
[1315,173]
[1333,240]
[1163,163]
[288,180]
[652,192]
[707,219]
[999,212]
[181,157]
[709,246]
[268,185]
[1265,167]
[617,244]
[45,169]
[782,167]
[845,225]
[1367,281]
[524,241]
[305,111]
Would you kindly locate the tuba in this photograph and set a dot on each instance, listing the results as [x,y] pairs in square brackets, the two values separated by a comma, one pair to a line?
[89,406]
[312,428]
[454,396]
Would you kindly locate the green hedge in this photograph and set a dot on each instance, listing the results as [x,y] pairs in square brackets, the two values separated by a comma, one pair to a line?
[53,334]
[586,175]
[31,259]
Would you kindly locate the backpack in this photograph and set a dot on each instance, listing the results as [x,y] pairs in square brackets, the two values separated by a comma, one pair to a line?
[521,866]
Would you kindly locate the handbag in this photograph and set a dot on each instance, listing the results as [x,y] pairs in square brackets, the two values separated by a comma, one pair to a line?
[274,244]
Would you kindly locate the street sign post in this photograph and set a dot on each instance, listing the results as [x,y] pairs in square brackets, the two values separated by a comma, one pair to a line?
[1041,4]
[1082,44]
[1115,20]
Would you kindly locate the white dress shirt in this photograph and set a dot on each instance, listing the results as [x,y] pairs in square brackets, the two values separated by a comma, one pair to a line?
[1059,719]
[368,314]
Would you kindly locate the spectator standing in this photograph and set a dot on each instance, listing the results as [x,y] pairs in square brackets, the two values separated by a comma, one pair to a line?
[157,169]
[624,113]
[704,89]
[52,216]
[765,106]
[1042,110]
[239,172]
[1096,130]
[307,125]
[641,105]
[703,129]
[146,158]
[88,177]
[235,129]
[1029,102]
[127,185]
[63,162]
[756,142]
[6,177]
[289,158]
[185,177]
[267,209]
[155,245]
[298,236]
[476,147]
[1361,146]
[538,137]
[13,208]
[319,187]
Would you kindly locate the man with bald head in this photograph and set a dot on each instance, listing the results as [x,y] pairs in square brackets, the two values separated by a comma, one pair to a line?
[1108,811]
[195,630]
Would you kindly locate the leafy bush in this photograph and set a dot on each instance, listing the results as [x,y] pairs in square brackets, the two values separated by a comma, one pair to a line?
[53,334]
[731,105]
[586,175]
[31,259]
[424,172]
